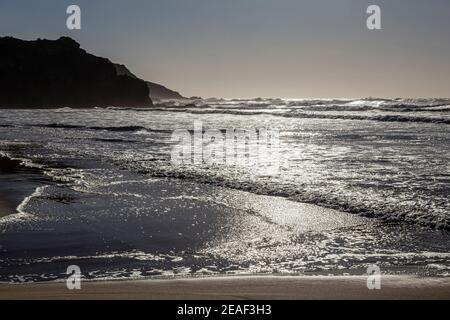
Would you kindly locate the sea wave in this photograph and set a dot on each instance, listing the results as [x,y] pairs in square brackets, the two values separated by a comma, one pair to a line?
[105,128]
[390,212]
[304,115]
[382,118]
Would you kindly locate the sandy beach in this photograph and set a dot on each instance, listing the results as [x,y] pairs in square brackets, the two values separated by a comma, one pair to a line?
[251,287]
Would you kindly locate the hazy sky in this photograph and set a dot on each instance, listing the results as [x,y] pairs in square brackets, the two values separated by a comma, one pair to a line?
[266,48]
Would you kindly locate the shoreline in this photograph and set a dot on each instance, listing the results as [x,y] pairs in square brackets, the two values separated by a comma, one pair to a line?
[17,183]
[258,287]
[6,208]
[302,217]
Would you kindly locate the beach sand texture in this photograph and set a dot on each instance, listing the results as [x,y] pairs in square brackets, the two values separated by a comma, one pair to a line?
[251,287]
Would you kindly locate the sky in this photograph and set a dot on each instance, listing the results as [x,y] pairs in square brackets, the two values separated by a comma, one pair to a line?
[258,48]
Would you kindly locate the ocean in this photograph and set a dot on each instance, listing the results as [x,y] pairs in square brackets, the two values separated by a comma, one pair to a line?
[361,182]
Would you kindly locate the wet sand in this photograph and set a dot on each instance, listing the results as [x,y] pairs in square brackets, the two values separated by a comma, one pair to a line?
[5,207]
[15,184]
[238,287]
[307,218]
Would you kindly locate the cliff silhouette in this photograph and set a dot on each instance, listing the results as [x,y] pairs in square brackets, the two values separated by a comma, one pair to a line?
[160,92]
[156,91]
[58,73]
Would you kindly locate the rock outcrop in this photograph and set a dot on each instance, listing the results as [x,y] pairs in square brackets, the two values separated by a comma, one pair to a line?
[159,92]
[156,91]
[58,73]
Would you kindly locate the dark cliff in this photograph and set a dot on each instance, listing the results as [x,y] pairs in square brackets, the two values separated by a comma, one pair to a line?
[156,91]
[160,92]
[53,74]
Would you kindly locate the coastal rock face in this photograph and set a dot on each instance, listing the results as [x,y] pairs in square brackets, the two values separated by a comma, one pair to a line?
[156,91]
[159,92]
[58,73]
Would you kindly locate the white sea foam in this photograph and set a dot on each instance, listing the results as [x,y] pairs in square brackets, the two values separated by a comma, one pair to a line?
[22,215]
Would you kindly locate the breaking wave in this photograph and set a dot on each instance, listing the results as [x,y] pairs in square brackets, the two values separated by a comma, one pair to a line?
[106,128]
